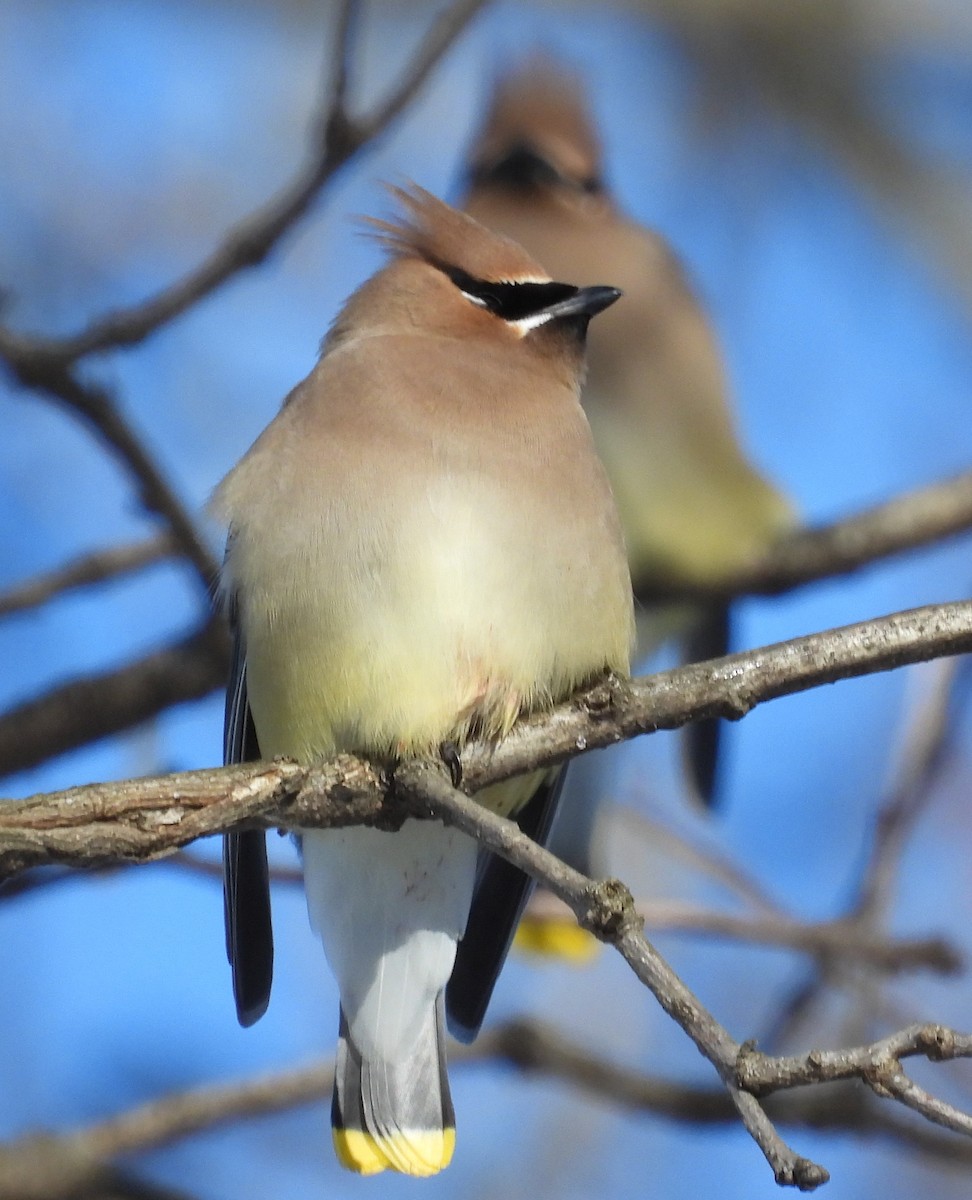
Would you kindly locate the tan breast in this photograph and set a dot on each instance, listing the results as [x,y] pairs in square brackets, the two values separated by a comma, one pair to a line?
[414,560]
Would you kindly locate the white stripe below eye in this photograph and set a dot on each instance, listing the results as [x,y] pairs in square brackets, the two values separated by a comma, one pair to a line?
[477,300]
[525,324]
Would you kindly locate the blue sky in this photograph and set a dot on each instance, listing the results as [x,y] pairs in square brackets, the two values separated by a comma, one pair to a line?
[131,136]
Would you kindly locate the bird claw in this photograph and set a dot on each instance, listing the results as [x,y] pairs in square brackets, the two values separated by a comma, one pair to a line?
[449,753]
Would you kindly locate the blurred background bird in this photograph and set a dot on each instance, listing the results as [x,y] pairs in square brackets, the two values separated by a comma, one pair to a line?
[694,509]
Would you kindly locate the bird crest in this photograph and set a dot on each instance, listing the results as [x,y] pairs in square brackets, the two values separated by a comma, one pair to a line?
[436,233]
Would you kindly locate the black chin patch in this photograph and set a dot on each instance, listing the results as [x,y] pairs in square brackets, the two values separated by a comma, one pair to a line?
[511,301]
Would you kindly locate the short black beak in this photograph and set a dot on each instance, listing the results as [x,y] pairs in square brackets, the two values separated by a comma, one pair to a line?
[586,302]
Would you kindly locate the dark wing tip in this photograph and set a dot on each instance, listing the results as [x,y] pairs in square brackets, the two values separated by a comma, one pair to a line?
[703,740]
[500,896]
[249,930]
[246,875]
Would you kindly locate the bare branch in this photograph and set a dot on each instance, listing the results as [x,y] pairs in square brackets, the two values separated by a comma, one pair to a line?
[98,409]
[921,760]
[714,863]
[906,522]
[98,705]
[70,733]
[43,364]
[814,65]
[822,939]
[878,1065]
[136,820]
[253,239]
[55,1167]
[923,752]
[115,1185]
[146,819]
[48,1167]
[606,909]
[194,864]
[336,108]
[98,567]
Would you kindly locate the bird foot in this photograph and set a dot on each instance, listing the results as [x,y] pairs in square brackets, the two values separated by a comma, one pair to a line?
[449,753]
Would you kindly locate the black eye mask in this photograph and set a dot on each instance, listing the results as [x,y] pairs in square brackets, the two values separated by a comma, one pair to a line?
[523,168]
[511,301]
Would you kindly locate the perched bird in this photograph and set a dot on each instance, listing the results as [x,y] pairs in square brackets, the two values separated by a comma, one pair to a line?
[422,546]
[693,508]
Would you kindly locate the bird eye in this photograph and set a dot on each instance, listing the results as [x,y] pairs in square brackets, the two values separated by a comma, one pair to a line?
[510,301]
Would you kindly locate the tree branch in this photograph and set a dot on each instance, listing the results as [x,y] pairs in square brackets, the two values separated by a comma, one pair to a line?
[923,751]
[97,567]
[44,364]
[97,408]
[821,939]
[878,1065]
[146,819]
[58,1166]
[149,818]
[906,522]
[253,239]
[921,760]
[86,709]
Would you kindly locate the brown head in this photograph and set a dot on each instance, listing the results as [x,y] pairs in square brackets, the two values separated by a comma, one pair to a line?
[451,277]
[538,134]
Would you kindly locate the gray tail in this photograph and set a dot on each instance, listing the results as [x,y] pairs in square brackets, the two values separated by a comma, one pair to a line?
[395,1115]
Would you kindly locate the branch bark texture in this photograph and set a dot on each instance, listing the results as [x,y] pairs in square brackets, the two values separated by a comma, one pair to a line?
[148,818]
[145,819]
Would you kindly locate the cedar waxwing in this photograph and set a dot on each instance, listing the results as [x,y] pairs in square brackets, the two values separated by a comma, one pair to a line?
[422,546]
[692,507]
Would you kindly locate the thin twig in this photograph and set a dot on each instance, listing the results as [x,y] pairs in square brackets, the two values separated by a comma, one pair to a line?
[44,364]
[98,705]
[923,755]
[877,1064]
[606,909]
[341,62]
[54,827]
[56,1166]
[825,940]
[254,238]
[94,405]
[69,733]
[97,567]
[924,750]
[712,862]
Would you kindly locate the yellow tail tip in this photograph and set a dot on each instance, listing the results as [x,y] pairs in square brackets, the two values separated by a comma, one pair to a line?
[554,938]
[418,1152]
